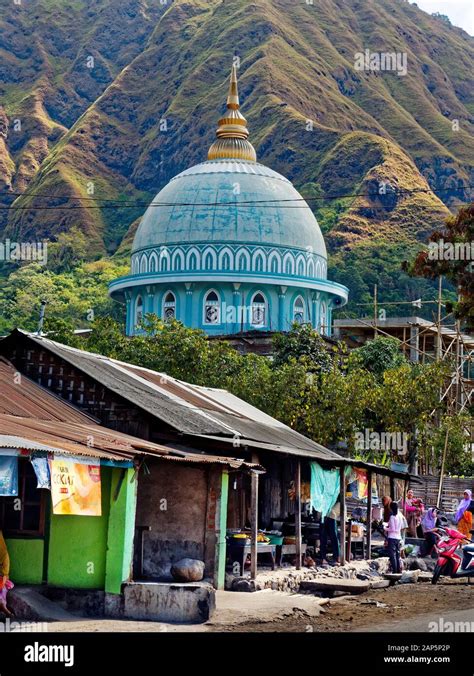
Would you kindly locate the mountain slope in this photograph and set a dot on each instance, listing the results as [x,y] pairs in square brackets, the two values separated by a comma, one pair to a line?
[414,132]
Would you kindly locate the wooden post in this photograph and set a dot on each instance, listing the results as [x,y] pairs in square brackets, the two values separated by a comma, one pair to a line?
[392,488]
[349,539]
[342,484]
[369,513]
[253,525]
[298,514]
[441,474]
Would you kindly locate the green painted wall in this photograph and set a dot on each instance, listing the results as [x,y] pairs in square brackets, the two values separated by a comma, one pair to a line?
[26,560]
[78,545]
[121,529]
[222,532]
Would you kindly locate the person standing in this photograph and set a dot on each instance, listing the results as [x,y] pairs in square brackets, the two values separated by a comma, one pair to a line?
[413,509]
[464,515]
[394,536]
[329,530]
[5,582]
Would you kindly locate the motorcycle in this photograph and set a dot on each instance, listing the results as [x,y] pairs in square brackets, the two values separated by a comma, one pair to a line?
[450,561]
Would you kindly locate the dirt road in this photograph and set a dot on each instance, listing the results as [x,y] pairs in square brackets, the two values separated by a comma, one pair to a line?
[395,609]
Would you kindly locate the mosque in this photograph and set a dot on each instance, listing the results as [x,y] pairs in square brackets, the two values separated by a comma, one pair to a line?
[230,246]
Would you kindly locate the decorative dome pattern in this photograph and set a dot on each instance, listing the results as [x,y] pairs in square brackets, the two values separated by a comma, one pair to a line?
[235,203]
[229,246]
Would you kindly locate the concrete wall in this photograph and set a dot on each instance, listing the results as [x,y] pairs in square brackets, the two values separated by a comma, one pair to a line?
[121,529]
[172,499]
[26,560]
[78,545]
[192,603]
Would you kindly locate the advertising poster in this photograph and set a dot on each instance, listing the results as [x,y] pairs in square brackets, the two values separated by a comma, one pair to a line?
[75,487]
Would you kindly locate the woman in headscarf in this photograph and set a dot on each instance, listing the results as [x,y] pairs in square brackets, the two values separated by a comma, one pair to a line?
[463,516]
[5,582]
[413,509]
[387,512]
[430,522]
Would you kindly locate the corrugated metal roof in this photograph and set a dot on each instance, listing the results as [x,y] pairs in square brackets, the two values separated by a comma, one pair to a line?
[95,441]
[188,408]
[21,396]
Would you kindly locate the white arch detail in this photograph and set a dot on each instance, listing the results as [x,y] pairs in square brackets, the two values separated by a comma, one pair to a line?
[177,256]
[300,266]
[242,253]
[288,258]
[153,262]
[274,256]
[197,254]
[222,254]
[259,253]
[205,257]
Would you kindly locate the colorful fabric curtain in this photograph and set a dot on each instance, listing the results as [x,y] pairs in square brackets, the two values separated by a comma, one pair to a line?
[325,488]
[41,467]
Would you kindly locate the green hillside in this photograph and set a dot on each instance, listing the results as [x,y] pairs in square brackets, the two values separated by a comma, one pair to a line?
[329,128]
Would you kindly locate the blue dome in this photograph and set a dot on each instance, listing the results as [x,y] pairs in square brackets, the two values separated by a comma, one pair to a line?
[207,205]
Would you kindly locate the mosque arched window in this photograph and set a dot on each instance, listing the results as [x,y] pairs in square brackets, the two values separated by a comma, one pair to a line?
[193,262]
[242,262]
[298,310]
[169,306]
[138,310]
[259,263]
[301,268]
[152,263]
[259,310]
[212,310]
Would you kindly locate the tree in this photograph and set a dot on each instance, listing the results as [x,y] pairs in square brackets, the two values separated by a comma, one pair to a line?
[378,355]
[302,341]
[451,254]
[319,396]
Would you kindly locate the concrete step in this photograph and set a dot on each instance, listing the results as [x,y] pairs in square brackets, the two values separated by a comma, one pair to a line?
[28,604]
[335,584]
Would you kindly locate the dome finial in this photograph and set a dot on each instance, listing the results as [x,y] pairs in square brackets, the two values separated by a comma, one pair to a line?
[233,96]
[232,133]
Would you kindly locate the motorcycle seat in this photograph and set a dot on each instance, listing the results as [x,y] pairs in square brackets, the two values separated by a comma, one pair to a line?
[468,548]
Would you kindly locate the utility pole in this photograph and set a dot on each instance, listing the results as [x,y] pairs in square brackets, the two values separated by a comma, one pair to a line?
[375,310]
[439,344]
[41,318]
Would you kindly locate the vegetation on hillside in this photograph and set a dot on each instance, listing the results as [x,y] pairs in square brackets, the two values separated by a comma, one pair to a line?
[91,102]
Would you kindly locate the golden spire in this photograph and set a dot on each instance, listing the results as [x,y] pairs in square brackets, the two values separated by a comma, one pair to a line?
[232,133]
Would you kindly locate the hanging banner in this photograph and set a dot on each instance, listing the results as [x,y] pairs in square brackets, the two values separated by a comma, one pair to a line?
[41,467]
[75,487]
[8,475]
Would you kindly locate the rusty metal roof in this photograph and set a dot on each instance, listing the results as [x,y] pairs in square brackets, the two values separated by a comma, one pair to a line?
[21,396]
[32,418]
[95,441]
[190,409]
